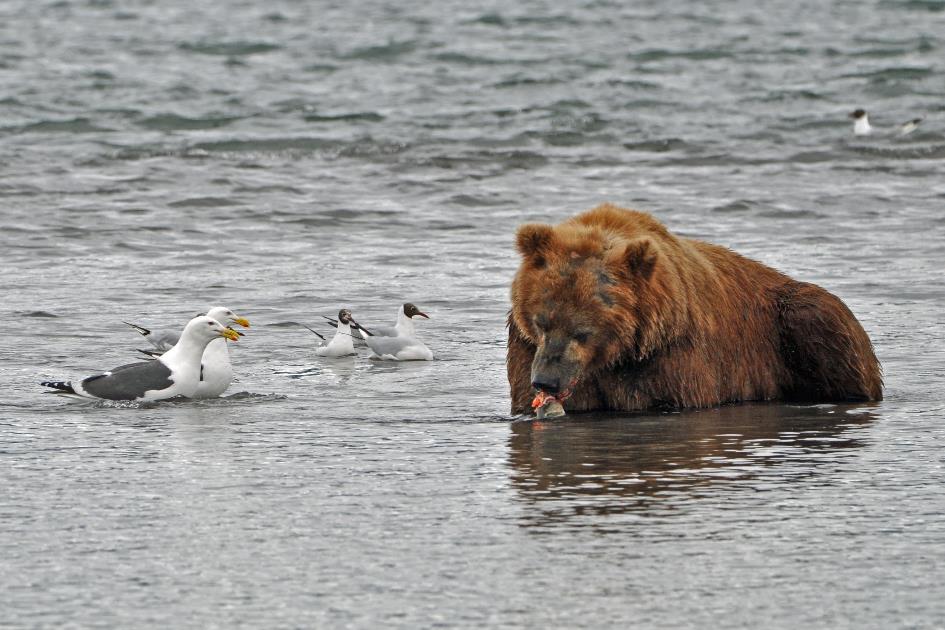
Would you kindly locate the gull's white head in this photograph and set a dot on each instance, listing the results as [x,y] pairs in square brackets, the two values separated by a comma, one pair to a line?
[861,122]
[226,317]
[205,329]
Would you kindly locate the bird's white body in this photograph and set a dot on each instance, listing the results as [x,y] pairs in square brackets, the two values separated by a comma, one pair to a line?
[216,370]
[861,126]
[398,349]
[184,361]
[342,344]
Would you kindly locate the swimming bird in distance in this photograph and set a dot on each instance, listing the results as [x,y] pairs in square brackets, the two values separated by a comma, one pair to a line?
[862,126]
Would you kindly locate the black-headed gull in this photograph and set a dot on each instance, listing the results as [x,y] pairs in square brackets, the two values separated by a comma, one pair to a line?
[342,344]
[862,126]
[399,348]
[402,328]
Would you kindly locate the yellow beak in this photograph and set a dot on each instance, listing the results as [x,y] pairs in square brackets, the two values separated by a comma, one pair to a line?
[230,334]
[242,321]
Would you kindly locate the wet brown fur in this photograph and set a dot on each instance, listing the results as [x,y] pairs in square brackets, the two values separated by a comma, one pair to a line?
[673,322]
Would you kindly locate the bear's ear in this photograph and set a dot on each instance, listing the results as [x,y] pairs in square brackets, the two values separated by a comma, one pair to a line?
[639,258]
[533,241]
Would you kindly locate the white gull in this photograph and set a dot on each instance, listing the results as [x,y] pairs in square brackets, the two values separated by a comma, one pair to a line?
[216,371]
[174,373]
[342,344]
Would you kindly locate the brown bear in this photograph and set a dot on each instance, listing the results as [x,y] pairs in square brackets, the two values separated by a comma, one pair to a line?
[610,311]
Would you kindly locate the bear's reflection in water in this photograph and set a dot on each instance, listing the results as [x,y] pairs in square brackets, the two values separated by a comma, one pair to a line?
[593,464]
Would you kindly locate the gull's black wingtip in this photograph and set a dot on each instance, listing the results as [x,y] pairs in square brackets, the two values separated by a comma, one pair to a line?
[141,329]
[332,320]
[312,331]
[60,387]
[364,330]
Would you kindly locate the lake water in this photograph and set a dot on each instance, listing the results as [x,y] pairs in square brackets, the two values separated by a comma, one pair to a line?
[288,158]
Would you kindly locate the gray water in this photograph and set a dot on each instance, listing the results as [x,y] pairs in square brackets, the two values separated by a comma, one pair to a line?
[288,158]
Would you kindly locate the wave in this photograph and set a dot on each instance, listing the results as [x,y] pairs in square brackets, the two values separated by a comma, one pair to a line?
[658,145]
[71,125]
[345,117]
[203,202]
[175,122]
[699,54]
[390,51]
[229,49]
[927,6]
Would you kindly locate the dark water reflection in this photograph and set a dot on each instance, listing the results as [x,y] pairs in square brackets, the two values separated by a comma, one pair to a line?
[598,465]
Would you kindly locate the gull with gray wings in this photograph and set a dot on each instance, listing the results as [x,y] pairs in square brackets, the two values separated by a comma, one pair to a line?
[174,373]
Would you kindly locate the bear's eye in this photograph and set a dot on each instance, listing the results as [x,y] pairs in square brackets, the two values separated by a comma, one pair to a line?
[542,323]
[582,336]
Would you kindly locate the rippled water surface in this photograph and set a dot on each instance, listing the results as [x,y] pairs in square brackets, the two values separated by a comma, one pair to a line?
[288,158]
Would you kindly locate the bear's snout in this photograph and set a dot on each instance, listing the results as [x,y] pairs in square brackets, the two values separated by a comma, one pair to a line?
[546,384]
[556,366]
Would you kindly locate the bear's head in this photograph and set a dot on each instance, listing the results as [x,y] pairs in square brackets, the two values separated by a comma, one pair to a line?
[589,298]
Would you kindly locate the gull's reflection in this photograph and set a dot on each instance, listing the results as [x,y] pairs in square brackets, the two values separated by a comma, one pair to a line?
[341,370]
[593,465]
